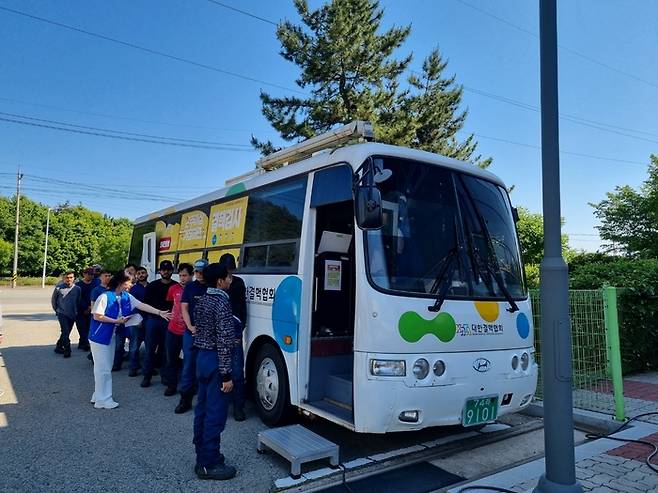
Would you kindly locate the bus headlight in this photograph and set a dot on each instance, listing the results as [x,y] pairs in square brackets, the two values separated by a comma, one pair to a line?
[515,362]
[525,361]
[421,368]
[439,368]
[388,368]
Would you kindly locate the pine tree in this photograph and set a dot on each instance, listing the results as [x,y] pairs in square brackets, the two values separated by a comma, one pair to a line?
[349,68]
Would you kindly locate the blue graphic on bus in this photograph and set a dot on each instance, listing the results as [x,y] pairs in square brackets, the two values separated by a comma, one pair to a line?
[522,325]
[285,313]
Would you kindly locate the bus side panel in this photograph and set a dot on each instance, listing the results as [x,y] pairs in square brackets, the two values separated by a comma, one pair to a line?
[273,310]
[135,255]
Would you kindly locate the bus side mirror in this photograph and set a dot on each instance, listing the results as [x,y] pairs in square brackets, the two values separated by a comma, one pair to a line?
[368,207]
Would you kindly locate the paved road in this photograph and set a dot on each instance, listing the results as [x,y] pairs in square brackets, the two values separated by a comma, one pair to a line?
[52,439]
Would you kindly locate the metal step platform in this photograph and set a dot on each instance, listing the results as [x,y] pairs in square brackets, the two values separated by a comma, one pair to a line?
[298,445]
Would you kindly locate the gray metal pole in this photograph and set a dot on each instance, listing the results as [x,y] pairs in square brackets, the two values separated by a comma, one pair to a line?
[14,272]
[560,475]
[45,250]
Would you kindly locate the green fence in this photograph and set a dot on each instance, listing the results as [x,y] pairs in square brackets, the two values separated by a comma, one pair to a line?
[597,381]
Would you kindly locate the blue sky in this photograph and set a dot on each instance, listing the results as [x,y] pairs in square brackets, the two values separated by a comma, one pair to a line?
[608,78]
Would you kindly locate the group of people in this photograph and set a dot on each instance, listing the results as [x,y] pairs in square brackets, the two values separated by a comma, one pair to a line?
[203,314]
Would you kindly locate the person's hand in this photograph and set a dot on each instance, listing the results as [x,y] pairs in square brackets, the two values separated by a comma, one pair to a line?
[192,329]
[122,320]
[227,386]
[165,315]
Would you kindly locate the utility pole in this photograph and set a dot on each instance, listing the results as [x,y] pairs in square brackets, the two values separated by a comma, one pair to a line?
[14,273]
[560,475]
[45,250]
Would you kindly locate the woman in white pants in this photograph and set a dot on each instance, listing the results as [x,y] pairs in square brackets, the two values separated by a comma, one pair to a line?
[111,310]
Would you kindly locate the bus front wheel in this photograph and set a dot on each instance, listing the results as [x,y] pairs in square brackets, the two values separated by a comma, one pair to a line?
[270,385]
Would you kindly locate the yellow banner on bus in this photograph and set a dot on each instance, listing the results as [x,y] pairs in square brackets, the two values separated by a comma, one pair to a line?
[193,227]
[167,236]
[227,223]
[189,257]
[213,256]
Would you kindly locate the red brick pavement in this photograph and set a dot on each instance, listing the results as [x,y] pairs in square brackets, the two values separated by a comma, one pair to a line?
[632,388]
[637,451]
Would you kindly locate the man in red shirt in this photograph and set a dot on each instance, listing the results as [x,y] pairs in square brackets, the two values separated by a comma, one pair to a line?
[176,328]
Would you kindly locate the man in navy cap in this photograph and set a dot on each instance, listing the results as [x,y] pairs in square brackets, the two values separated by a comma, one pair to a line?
[156,327]
[192,292]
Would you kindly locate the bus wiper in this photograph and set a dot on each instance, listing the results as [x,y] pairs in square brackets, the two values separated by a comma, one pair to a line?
[474,256]
[443,278]
[493,272]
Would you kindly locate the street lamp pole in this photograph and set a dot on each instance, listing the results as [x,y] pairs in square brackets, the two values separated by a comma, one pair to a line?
[45,250]
[560,475]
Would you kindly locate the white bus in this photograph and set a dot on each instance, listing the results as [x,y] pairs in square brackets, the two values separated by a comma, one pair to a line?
[385,289]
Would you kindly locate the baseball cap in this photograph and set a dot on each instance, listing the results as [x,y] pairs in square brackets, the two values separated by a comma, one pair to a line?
[200,264]
[166,265]
[97,267]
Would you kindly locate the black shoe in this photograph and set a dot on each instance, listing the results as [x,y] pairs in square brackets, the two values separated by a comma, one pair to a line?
[59,349]
[133,372]
[116,367]
[219,472]
[184,405]
[154,372]
[84,347]
[169,391]
[146,382]
[238,415]
[90,357]
[67,351]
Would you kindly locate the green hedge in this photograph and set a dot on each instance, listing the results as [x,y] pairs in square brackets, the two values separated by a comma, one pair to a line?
[637,304]
[29,281]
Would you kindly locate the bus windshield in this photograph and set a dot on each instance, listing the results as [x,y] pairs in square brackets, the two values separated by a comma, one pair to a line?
[445,233]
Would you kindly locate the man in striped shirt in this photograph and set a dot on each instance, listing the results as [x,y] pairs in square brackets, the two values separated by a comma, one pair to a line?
[214,339]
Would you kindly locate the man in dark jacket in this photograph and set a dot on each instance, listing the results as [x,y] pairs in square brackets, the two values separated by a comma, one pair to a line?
[156,327]
[238,295]
[215,340]
[65,302]
[83,320]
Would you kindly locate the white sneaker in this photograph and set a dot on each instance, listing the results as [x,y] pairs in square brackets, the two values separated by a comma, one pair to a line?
[106,405]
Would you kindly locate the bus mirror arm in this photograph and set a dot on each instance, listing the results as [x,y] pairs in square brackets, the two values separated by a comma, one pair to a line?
[367,197]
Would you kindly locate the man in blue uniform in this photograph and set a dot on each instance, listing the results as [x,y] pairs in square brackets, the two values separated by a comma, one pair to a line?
[215,341]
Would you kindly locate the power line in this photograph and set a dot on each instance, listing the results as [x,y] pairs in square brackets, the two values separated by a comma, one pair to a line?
[132,134]
[578,154]
[148,50]
[565,116]
[243,12]
[119,137]
[562,47]
[127,118]
[108,190]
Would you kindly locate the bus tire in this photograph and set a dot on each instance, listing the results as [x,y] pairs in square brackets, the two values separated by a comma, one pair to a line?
[269,384]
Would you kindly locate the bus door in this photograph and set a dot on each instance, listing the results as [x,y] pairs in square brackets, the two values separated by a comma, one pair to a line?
[148,255]
[331,367]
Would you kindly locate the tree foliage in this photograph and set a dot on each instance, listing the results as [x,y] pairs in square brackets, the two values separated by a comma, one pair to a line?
[78,237]
[347,65]
[629,217]
[531,236]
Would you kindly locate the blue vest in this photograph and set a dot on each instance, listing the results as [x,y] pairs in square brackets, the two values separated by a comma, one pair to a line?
[101,332]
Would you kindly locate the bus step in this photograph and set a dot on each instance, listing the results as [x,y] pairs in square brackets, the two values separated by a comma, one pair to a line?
[298,445]
[339,389]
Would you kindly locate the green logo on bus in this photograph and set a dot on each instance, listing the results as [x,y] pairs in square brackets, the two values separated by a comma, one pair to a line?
[413,327]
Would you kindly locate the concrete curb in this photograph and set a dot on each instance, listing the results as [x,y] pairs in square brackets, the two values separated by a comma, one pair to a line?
[589,421]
